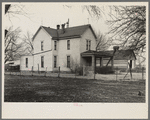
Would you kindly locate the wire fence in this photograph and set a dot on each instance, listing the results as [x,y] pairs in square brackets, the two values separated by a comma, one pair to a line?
[117,75]
[56,73]
[129,74]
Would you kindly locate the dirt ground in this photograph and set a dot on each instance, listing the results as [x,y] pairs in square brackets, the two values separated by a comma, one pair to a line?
[53,89]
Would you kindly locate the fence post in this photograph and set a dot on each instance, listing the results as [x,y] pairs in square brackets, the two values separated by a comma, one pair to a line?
[94,75]
[142,74]
[94,71]
[45,71]
[32,70]
[38,68]
[59,71]
[75,71]
[116,72]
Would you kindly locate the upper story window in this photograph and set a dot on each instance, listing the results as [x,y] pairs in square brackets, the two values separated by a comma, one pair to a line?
[55,45]
[88,44]
[42,45]
[68,44]
[42,61]
[26,62]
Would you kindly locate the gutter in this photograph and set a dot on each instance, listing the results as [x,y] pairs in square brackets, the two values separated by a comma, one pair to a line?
[42,52]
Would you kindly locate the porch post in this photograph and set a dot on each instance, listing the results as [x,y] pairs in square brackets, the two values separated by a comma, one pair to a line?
[93,63]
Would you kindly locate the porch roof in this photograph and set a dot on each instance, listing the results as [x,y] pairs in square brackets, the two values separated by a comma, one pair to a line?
[119,55]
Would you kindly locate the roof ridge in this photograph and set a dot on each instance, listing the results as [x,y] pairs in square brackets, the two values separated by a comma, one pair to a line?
[70,31]
[80,26]
[68,27]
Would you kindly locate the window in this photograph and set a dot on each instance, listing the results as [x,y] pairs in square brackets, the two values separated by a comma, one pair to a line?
[26,62]
[41,45]
[55,61]
[42,61]
[86,44]
[68,61]
[55,45]
[68,44]
[89,45]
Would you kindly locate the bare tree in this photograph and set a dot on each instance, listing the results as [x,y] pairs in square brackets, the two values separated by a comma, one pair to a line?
[127,24]
[28,44]
[12,10]
[128,27]
[12,47]
[140,58]
[7,7]
[102,42]
[93,10]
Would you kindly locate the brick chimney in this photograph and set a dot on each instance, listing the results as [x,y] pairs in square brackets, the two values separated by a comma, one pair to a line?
[67,23]
[116,48]
[58,27]
[63,28]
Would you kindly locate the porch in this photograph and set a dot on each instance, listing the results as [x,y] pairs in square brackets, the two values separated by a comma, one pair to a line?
[92,59]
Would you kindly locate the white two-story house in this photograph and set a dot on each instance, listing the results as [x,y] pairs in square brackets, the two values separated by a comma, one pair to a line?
[60,47]
[66,48]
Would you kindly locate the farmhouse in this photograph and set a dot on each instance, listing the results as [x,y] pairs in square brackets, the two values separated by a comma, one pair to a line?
[67,47]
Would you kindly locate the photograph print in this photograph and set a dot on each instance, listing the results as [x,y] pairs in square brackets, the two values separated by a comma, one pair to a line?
[74,53]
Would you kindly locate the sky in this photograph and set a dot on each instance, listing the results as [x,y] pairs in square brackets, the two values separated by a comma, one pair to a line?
[52,14]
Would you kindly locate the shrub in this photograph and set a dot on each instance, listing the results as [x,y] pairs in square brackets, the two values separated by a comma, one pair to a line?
[79,70]
[104,70]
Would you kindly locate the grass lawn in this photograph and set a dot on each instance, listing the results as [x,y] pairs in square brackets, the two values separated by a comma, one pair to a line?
[50,89]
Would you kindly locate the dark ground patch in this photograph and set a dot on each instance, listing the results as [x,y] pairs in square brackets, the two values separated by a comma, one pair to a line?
[51,89]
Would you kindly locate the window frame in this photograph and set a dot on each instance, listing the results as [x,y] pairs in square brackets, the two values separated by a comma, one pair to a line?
[68,61]
[42,45]
[55,61]
[68,44]
[26,62]
[42,61]
[55,45]
[87,42]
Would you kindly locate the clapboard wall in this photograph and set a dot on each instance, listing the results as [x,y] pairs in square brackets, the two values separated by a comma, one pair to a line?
[116,63]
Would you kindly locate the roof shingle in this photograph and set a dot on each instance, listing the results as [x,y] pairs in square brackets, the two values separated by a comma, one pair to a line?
[119,55]
[71,32]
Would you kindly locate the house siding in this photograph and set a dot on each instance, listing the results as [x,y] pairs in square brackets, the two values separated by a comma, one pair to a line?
[47,51]
[23,63]
[74,53]
[77,46]
[47,62]
[120,63]
[87,35]
[46,38]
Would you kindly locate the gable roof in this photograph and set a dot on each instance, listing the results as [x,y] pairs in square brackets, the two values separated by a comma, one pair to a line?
[71,32]
[119,55]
